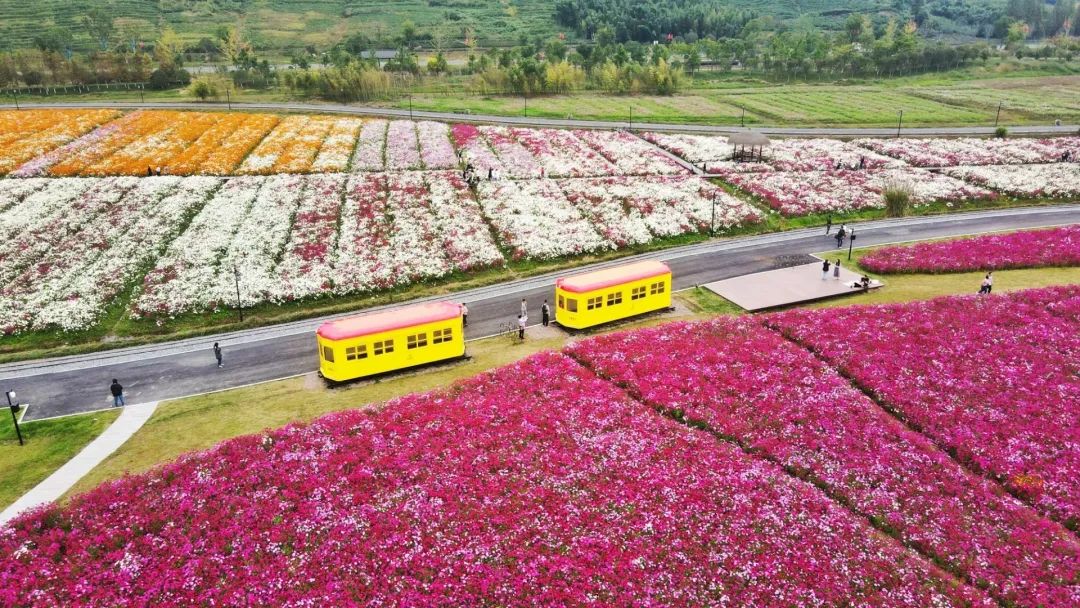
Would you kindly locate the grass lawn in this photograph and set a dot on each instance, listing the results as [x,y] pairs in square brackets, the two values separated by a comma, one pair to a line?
[200,422]
[49,444]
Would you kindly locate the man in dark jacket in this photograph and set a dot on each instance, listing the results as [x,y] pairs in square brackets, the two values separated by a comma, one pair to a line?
[117,393]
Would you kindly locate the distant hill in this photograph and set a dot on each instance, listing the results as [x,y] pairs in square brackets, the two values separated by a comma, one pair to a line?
[284,26]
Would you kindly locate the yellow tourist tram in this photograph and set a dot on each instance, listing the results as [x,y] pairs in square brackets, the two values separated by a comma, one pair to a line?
[593,298]
[381,342]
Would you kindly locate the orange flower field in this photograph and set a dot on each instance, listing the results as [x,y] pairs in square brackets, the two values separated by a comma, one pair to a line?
[29,133]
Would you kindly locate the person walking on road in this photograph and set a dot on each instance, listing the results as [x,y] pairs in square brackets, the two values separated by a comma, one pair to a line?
[217,355]
[828,225]
[825,270]
[117,393]
[464,315]
[521,327]
[840,236]
[545,313]
[836,270]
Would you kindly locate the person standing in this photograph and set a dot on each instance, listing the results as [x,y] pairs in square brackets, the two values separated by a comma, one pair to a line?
[521,327]
[825,270]
[545,313]
[117,393]
[524,308]
[836,270]
[217,354]
[464,315]
[828,225]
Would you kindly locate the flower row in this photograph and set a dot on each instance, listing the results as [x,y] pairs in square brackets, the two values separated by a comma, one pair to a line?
[1027,249]
[553,218]
[805,192]
[79,243]
[523,153]
[992,379]
[28,134]
[972,151]
[288,237]
[537,484]
[774,399]
[1058,180]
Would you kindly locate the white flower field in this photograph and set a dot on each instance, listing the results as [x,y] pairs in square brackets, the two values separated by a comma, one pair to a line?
[301,207]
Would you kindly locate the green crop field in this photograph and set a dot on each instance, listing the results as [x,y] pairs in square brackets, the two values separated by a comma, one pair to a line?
[284,25]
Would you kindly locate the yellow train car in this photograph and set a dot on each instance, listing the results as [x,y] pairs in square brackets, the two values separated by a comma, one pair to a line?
[396,339]
[594,298]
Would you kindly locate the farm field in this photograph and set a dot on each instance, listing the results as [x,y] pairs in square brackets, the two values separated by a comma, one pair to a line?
[850,467]
[306,209]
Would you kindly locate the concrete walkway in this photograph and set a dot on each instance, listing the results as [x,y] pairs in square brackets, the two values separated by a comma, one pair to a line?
[55,485]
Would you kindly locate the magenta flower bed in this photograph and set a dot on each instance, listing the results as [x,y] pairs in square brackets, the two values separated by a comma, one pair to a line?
[775,399]
[534,485]
[1027,249]
[992,378]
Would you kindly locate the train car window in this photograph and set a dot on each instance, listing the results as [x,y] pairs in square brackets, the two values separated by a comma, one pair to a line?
[417,341]
[562,302]
[657,288]
[594,303]
[637,293]
[442,335]
[386,346]
[571,304]
[356,352]
[328,354]
[614,298]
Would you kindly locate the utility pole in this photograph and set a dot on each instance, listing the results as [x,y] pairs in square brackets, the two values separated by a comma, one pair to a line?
[15,94]
[899,122]
[526,103]
[742,118]
[631,117]
[228,98]
[410,106]
[998,115]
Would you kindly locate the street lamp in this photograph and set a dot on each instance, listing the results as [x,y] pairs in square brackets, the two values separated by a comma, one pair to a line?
[631,117]
[239,307]
[410,106]
[850,244]
[998,115]
[899,122]
[712,222]
[13,405]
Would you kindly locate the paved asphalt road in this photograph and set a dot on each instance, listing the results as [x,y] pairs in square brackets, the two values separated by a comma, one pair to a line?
[149,373]
[556,122]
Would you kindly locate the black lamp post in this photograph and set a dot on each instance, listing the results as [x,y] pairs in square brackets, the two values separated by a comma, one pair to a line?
[998,115]
[712,222]
[239,307]
[899,122]
[850,244]
[14,407]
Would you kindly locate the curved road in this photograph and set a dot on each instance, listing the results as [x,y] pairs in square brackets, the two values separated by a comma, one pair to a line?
[332,108]
[75,384]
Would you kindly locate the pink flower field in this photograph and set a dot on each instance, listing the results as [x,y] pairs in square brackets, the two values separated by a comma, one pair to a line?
[535,485]
[775,399]
[717,463]
[1026,249]
[991,379]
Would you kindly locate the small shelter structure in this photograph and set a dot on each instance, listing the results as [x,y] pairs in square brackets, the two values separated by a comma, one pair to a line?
[748,145]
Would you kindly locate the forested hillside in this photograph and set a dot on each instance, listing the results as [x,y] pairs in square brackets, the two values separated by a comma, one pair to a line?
[288,26]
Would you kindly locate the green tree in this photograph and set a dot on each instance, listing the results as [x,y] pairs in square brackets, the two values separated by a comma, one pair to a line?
[99,26]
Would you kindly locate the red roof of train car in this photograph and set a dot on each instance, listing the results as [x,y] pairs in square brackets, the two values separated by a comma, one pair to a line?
[379,322]
[600,279]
